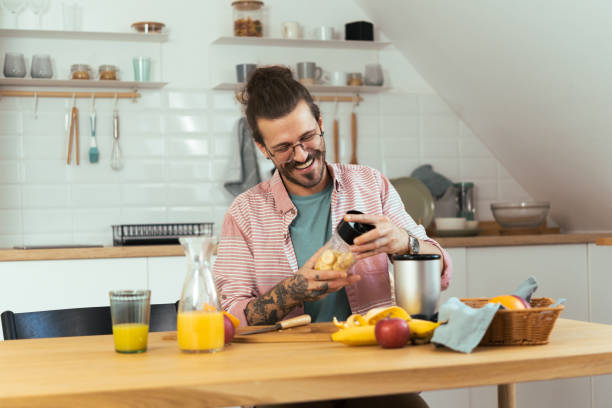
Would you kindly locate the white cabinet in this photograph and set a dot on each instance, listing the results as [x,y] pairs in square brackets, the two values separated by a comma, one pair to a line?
[166,276]
[560,270]
[28,286]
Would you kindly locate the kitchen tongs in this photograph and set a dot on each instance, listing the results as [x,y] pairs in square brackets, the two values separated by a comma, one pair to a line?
[73,133]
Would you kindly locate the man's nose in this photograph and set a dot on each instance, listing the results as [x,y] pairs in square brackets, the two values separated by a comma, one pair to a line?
[300,154]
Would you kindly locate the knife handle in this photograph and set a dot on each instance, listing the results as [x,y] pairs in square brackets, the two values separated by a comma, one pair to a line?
[295,321]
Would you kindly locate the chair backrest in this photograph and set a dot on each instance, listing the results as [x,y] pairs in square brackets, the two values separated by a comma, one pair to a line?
[77,322]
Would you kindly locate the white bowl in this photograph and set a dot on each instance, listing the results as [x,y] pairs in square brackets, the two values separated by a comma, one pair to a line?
[450,223]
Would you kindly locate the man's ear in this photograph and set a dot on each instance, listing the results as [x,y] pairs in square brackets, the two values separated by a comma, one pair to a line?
[321,123]
[263,150]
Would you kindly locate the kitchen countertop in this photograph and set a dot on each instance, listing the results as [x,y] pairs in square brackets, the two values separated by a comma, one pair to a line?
[176,250]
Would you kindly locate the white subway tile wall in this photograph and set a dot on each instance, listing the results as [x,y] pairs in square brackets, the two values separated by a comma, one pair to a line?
[180,146]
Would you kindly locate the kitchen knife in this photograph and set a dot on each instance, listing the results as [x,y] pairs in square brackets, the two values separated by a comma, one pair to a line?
[284,324]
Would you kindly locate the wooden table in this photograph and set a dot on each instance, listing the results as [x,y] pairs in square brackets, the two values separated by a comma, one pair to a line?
[85,371]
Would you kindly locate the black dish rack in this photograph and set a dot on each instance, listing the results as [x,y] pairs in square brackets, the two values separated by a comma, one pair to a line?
[157,234]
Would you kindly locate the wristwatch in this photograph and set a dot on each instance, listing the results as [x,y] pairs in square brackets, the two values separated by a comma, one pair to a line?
[413,244]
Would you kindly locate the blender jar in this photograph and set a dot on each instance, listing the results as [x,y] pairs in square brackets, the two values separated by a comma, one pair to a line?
[248,18]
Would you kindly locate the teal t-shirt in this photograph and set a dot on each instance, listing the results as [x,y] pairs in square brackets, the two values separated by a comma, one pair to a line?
[310,230]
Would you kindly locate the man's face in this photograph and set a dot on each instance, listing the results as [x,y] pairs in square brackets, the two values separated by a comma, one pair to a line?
[301,165]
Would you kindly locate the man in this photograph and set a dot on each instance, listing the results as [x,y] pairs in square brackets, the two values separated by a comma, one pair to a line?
[273,233]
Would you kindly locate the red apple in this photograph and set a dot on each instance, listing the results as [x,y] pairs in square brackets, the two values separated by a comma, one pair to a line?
[392,332]
[523,301]
[229,329]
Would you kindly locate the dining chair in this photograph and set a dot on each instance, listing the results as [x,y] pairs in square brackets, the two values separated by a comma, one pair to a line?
[86,321]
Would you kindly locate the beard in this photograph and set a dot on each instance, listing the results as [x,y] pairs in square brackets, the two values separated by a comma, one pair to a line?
[310,179]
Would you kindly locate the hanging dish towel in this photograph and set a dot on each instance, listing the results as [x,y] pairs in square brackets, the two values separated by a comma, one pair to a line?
[249,169]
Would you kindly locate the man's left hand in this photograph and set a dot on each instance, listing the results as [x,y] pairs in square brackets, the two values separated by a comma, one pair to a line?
[385,238]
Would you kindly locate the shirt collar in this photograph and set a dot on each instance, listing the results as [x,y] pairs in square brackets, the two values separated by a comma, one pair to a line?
[283,202]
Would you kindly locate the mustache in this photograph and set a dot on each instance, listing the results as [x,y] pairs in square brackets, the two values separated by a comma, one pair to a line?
[314,154]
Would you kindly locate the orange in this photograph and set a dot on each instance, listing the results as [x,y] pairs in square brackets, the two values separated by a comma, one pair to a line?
[508,301]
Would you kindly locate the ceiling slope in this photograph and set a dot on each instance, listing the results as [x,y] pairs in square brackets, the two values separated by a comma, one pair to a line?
[533,79]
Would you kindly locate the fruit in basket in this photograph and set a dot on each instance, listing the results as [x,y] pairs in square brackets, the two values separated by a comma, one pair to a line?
[511,302]
[392,332]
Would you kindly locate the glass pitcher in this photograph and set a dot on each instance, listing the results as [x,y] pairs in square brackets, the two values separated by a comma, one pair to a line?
[200,326]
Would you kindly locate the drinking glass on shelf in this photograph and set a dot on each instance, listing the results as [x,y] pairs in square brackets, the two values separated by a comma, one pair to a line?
[15,7]
[14,65]
[39,7]
[41,66]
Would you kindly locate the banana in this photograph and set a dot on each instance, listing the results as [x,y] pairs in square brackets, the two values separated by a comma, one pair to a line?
[356,336]
[422,330]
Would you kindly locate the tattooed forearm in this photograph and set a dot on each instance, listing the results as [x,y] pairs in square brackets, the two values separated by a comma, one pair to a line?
[280,300]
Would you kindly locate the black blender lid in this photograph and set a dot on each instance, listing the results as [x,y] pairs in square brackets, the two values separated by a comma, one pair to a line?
[416,257]
[348,231]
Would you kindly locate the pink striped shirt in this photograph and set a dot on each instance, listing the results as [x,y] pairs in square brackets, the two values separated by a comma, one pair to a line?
[255,251]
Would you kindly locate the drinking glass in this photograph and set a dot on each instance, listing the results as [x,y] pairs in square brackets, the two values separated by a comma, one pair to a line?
[15,7]
[373,74]
[39,7]
[14,65]
[41,66]
[142,68]
[130,311]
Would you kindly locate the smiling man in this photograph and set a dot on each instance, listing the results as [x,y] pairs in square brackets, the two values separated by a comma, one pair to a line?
[273,233]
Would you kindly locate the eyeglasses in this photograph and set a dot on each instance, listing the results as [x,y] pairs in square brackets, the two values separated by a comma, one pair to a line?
[285,152]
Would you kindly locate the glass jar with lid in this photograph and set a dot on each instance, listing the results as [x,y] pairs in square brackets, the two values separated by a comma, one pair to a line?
[337,255]
[108,72]
[248,18]
[80,71]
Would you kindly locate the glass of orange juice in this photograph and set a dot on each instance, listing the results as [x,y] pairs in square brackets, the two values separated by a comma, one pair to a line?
[130,311]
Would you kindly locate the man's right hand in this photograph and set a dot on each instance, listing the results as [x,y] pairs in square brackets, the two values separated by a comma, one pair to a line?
[310,285]
[307,285]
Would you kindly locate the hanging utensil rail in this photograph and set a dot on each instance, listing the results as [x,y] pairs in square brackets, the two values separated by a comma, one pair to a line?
[59,94]
[333,98]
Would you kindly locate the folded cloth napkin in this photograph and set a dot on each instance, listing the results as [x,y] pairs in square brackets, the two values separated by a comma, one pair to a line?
[435,182]
[249,169]
[465,325]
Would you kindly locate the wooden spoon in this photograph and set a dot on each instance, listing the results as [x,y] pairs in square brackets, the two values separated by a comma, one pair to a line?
[353,138]
[336,142]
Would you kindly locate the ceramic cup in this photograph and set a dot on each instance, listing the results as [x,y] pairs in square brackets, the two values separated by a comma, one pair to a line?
[337,78]
[291,30]
[14,65]
[324,33]
[308,73]
[244,72]
[41,66]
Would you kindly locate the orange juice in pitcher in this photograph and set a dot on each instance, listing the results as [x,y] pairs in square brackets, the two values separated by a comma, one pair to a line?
[200,325]
[200,331]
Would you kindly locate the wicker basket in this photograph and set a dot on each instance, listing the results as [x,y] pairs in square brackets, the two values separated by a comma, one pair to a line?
[519,327]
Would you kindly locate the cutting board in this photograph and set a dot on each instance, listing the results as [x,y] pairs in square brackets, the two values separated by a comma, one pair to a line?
[314,332]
